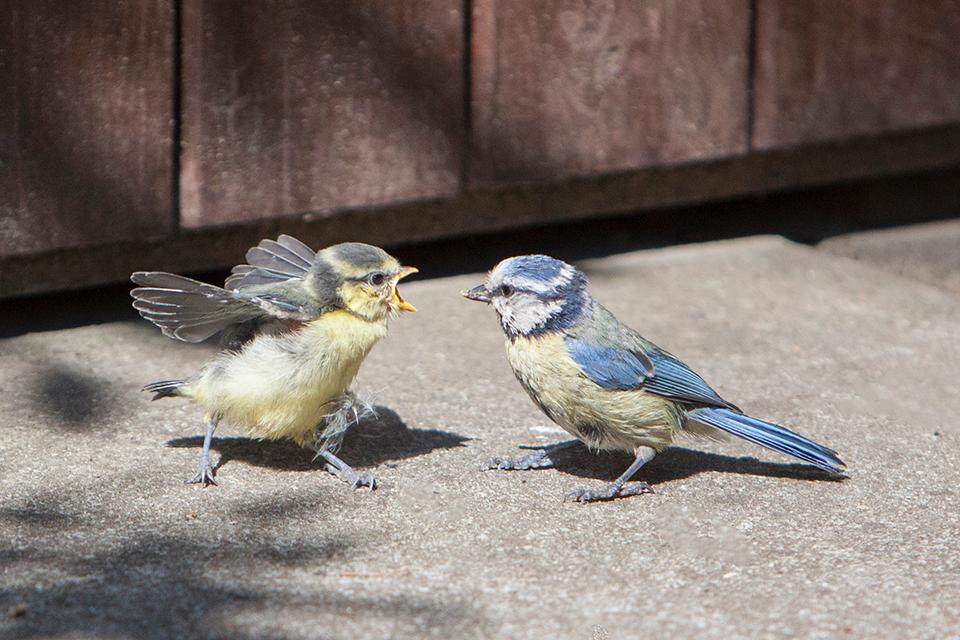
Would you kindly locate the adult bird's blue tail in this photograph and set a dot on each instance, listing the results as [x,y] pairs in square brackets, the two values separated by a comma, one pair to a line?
[769,435]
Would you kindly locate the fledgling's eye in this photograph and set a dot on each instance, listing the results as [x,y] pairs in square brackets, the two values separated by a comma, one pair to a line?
[506,290]
[378,279]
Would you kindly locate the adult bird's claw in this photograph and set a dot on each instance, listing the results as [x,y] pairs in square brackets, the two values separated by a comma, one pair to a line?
[539,458]
[536,460]
[609,492]
[204,476]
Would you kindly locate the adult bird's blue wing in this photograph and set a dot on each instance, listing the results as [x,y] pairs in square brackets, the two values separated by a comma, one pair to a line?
[677,381]
[653,370]
[610,367]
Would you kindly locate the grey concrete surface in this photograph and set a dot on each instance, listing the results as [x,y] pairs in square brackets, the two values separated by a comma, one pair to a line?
[100,538]
[927,252]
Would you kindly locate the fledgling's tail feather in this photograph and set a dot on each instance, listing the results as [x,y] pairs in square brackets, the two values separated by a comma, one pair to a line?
[769,435]
[164,388]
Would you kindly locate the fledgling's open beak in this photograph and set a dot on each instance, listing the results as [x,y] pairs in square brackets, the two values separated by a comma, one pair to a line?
[400,303]
[480,293]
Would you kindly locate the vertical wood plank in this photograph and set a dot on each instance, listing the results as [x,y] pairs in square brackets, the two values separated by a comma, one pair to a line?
[307,106]
[85,122]
[832,70]
[580,87]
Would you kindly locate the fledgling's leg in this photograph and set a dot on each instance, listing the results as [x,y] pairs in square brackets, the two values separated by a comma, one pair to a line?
[345,472]
[619,487]
[205,472]
[538,459]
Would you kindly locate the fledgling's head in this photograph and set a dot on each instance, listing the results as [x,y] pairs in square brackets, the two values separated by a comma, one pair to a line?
[363,278]
[533,294]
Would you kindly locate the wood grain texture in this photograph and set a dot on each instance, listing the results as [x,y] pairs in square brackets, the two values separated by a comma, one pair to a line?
[481,211]
[830,70]
[85,122]
[309,106]
[581,87]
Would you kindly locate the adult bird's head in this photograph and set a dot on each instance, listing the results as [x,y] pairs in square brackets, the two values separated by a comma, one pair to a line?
[363,278]
[533,294]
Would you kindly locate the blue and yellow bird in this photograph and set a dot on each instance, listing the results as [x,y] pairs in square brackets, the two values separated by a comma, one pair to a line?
[604,383]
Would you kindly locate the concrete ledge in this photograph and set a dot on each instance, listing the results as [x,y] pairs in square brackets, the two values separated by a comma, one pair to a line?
[929,252]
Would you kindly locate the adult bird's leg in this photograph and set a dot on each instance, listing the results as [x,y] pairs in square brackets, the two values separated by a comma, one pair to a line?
[345,472]
[538,459]
[619,487]
[205,472]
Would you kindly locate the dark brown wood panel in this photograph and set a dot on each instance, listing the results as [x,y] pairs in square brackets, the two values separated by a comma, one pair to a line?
[583,87]
[831,70]
[485,210]
[308,106]
[85,122]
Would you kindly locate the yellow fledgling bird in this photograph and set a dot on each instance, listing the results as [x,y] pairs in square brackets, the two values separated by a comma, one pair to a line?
[295,324]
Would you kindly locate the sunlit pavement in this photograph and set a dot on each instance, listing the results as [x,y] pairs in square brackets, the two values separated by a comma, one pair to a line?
[100,537]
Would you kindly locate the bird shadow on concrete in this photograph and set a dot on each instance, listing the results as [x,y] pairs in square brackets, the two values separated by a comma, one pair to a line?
[71,573]
[158,586]
[69,399]
[677,463]
[377,439]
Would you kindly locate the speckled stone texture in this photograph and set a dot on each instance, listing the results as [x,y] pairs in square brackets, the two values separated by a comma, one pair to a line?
[100,538]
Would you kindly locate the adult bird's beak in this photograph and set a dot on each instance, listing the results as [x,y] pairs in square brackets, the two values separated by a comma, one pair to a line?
[480,293]
[402,304]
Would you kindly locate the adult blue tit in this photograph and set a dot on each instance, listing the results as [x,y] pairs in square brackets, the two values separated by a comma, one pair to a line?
[605,384]
[295,326]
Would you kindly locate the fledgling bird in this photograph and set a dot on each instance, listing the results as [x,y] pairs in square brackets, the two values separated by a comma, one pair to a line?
[604,383]
[295,324]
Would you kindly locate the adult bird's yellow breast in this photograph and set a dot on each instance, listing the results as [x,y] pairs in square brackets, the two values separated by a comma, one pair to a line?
[603,418]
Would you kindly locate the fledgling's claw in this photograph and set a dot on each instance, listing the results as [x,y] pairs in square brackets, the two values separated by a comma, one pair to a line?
[351,477]
[345,472]
[609,492]
[204,476]
[364,480]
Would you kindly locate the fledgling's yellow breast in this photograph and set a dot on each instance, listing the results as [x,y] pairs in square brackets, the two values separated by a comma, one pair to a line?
[277,386]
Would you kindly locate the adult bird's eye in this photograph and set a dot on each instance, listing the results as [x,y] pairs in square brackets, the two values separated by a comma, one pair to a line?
[506,290]
[377,279]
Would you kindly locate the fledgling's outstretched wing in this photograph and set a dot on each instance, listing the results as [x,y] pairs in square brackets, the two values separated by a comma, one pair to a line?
[192,311]
[266,293]
[616,357]
[272,261]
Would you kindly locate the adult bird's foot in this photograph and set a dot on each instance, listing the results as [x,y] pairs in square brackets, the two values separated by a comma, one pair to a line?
[539,458]
[204,476]
[536,460]
[609,492]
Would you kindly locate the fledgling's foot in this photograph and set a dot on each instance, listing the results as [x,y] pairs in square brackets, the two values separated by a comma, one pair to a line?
[204,475]
[609,492]
[346,473]
[353,478]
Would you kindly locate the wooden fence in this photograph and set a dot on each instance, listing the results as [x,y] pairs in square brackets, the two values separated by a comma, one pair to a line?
[175,130]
